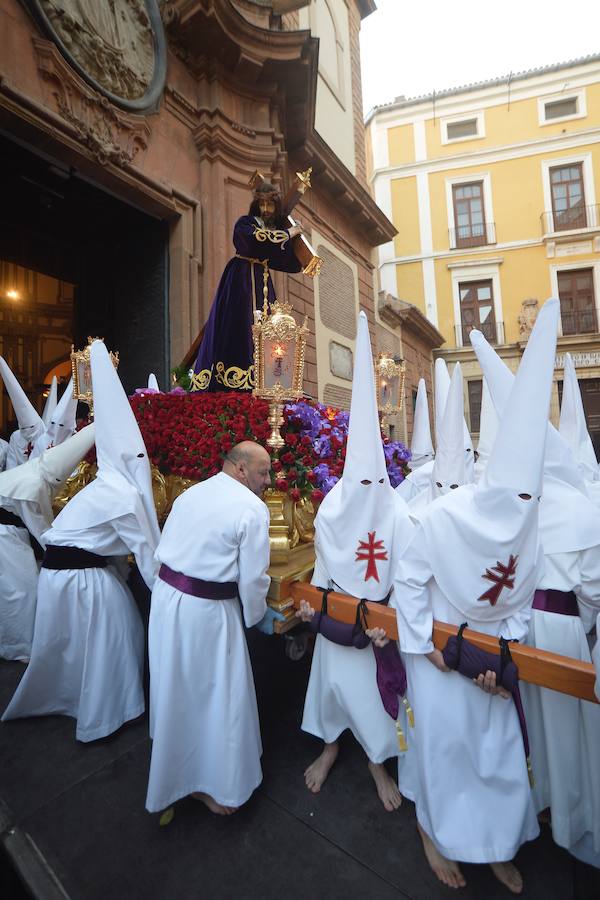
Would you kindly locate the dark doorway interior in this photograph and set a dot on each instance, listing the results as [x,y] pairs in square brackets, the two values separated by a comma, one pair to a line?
[54,223]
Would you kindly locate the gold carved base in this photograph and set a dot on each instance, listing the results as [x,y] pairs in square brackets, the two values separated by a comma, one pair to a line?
[290,532]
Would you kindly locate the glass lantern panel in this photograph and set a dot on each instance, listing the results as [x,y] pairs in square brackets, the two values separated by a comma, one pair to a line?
[279,363]
[388,391]
[84,380]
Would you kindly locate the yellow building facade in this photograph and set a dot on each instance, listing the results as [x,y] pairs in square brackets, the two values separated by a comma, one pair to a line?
[492,188]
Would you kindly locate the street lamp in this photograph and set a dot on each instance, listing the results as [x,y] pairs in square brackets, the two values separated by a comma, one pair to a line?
[390,373]
[279,346]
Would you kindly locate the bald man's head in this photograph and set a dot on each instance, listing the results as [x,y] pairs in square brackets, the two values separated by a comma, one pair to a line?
[250,464]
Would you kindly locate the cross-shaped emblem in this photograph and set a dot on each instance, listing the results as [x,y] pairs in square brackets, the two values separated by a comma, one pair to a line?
[502,576]
[374,550]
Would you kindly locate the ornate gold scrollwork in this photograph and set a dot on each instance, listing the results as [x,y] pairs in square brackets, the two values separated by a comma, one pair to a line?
[274,235]
[199,381]
[235,378]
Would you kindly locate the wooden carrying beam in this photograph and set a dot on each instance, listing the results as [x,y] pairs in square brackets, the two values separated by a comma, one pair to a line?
[560,673]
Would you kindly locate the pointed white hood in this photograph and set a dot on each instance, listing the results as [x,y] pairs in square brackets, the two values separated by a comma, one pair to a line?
[488,426]
[51,401]
[30,423]
[153,383]
[421,446]
[441,386]
[37,480]
[573,427]
[449,465]
[362,525]
[483,539]
[62,423]
[123,483]
[568,519]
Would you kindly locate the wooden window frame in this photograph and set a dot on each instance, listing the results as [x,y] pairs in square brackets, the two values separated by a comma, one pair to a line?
[470,240]
[581,221]
[488,329]
[582,320]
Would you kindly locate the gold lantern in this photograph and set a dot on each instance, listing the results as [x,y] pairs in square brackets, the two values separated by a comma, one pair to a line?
[279,345]
[82,373]
[390,373]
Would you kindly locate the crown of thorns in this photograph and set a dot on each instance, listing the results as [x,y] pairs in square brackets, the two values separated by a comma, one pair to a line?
[262,192]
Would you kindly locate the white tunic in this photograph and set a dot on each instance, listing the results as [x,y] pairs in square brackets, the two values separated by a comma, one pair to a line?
[88,645]
[342,693]
[465,767]
[19,578]
[564,732]
[203,714]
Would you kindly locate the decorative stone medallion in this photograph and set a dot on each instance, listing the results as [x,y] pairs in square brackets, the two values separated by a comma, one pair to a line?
[118,46]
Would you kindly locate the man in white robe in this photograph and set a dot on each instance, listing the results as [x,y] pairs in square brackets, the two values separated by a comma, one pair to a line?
[361,530]
[564,732]
[88,643]
[30,422]
[476,557]
[204,724]
[26,512]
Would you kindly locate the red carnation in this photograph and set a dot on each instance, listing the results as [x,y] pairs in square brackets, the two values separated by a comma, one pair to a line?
[276,465]
[295,495]
[317,496]
[281,484]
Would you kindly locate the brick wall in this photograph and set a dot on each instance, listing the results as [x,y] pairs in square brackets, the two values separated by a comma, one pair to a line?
[335,395]
[419,362]
[357,104]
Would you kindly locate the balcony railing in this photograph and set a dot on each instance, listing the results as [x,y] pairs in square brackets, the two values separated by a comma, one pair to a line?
[571,219]
[472,235]
[580,321]
[492,332]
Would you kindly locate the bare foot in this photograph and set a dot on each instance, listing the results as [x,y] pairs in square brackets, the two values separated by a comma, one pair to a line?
[387,788]
[509,875]
[213,805]
[318,771]
[446,870]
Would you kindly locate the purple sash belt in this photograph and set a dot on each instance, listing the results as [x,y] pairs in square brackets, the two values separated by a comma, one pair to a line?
[562,602]
[207,590]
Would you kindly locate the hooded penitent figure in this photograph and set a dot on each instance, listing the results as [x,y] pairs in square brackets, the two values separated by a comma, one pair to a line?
[561,728]
[476,557]
[421,447]
[61,424]
[573,428]
[488,426]
[51,401]
[449,469]
[26,494]
[419,479]
[361,530]
[87,653]
[30,427]
[153,383]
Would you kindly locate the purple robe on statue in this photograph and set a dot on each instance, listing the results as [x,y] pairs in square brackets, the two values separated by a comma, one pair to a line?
[225,356]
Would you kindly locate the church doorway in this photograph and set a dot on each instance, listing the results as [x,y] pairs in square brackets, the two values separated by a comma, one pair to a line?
[76,261]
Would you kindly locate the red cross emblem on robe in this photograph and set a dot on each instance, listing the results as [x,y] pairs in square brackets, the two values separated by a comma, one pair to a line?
[371,550]
[502,576]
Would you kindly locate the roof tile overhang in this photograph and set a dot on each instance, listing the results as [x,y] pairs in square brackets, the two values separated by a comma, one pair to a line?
[398,313]
[282,64]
